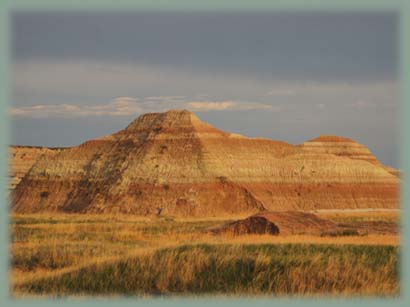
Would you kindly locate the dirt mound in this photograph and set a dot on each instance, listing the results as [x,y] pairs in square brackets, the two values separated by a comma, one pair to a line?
[279,223]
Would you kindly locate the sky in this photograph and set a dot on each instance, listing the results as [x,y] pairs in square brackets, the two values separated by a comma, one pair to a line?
[280,75]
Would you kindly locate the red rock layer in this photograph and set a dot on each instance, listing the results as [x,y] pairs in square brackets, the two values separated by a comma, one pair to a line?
[172,163]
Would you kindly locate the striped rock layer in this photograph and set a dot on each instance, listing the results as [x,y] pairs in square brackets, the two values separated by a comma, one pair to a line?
[22,159]
[174,164]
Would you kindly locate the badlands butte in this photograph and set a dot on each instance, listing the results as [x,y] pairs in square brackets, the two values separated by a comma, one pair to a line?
[174,164]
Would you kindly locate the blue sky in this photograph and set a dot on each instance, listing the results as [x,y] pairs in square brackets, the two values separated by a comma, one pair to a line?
[286,76]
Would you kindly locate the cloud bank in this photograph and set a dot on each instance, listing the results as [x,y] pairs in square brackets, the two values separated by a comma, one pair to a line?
[126,106]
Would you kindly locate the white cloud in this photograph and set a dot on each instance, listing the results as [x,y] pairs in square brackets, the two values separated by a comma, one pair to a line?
[118,107]
[162,98]
[208,106]
[159,88]
[227,105]
[362,104]
[126,106]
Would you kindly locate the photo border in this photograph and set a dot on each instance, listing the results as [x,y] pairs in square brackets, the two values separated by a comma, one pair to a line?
[400,6]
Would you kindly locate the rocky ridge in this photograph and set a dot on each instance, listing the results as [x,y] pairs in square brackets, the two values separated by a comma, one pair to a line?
[174,164]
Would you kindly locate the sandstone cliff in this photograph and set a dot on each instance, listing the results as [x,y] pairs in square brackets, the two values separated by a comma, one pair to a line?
[172,163]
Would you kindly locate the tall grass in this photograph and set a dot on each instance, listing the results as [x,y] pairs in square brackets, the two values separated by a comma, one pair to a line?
[291,269]
[72,254]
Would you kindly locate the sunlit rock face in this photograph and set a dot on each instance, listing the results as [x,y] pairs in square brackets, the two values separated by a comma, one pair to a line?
[174,164]
[22,159]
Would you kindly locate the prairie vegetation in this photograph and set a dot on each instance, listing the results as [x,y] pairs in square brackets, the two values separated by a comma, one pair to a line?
[127,255]
[355,217]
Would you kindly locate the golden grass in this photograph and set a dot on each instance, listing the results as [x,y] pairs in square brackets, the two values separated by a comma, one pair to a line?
[309,239]
[251,269]
[359,216]
[51,245]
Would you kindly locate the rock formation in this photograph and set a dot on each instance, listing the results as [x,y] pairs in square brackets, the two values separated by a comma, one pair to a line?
[279,223]
[298,223]
[174,164]
[343,147]
[22,159]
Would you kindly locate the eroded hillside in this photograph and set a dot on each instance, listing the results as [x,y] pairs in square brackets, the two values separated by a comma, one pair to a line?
[174,164]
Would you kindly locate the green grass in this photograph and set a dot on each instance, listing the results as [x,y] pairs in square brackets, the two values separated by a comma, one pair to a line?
[288,269]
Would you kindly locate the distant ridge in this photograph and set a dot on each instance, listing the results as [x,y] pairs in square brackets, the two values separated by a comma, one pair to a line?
[172,163]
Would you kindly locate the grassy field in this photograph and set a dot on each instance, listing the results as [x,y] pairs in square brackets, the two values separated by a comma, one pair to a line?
[121,255]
